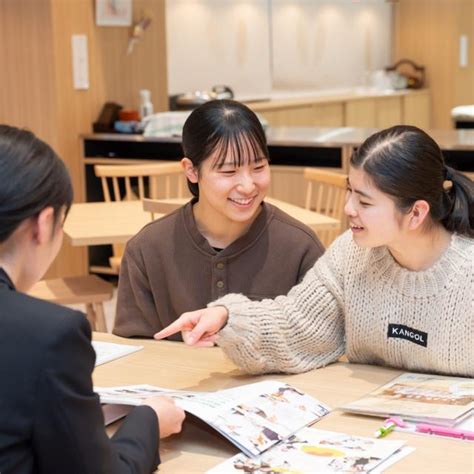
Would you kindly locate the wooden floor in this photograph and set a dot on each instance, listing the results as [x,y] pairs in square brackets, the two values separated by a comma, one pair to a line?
[109,310]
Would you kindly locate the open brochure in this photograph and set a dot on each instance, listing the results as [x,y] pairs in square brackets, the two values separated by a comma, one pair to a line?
[254,417]
[426,398]
[313,450]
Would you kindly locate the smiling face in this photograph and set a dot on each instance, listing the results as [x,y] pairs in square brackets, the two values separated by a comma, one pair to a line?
[232,190]
[373,216]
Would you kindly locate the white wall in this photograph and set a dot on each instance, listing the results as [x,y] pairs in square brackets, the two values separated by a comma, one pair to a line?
[213,42]
[255,46]
[328,44]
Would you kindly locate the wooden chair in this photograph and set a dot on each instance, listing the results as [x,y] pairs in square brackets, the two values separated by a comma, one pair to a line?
[325,193]
[157,206]
[89,290]
[131,182]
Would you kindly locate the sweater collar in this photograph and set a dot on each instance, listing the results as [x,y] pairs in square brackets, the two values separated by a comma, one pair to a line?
[431,281]
[239,245]
[5,280]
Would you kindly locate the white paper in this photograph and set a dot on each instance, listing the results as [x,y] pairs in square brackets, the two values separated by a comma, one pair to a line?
[108,351]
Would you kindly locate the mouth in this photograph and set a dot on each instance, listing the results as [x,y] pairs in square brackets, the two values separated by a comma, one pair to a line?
[243,202]
[356,228]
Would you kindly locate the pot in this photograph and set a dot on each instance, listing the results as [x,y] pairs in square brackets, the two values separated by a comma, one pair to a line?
[191,100]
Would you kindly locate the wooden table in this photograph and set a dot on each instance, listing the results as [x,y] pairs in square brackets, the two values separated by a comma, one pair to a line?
[198,448]
[99,223]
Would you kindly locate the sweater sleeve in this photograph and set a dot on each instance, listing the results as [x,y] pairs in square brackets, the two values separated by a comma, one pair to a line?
[295,333]
[136,313]
[315,250]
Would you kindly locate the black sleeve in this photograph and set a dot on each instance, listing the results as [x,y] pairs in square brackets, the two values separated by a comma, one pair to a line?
[68,427]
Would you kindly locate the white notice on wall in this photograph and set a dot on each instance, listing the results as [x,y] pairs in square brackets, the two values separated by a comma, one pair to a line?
[80,62]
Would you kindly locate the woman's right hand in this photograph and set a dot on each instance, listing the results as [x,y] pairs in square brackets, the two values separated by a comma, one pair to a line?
[170,416]
[198,328]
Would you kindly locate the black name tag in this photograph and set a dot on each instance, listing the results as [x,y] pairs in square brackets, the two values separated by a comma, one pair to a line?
[400,331]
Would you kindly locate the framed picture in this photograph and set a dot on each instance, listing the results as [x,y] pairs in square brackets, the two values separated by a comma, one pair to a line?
[113,12]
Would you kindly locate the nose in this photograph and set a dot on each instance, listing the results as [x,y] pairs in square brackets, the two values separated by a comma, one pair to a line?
[246,183]
[349,208]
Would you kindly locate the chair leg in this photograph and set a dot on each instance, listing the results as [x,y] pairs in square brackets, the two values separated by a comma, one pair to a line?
[100,318]
[91,315]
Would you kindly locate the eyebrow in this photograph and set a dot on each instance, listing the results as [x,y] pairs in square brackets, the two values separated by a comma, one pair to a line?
[357,191]
[233,164]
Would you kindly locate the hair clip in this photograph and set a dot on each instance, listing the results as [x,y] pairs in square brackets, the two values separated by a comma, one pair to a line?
[447,184]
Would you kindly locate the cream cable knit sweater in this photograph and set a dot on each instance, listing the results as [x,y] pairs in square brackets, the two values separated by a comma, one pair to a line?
[361,302]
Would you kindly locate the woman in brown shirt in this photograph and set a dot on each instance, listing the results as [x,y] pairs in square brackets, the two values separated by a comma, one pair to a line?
[225,240]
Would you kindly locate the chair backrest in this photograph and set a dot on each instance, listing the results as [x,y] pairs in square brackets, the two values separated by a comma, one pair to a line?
[325,193]
[164,180]
[157,206]
[133,182]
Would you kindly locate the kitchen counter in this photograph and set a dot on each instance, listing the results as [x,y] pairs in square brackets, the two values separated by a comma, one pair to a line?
[284,99]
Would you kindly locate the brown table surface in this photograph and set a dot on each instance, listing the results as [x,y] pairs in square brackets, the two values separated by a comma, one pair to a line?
[198,448]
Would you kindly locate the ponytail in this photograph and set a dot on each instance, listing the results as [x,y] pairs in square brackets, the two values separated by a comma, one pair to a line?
[406,163]
[459,192]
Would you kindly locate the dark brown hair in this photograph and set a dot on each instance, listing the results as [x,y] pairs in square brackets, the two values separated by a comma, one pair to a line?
[222,128]
[406,163]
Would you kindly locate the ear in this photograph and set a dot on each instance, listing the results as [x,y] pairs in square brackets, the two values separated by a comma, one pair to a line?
[190,170]
[43,226]
[418,214]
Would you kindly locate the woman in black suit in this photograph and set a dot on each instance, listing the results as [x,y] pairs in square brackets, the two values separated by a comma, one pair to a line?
[50,418]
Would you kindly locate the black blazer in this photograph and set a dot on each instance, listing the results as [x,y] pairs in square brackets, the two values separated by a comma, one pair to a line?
[50,418]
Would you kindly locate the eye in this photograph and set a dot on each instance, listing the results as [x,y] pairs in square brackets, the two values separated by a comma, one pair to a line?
[227,172]
[364,204]
[259,168]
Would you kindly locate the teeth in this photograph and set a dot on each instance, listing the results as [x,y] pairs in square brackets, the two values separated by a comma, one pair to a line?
[242,201]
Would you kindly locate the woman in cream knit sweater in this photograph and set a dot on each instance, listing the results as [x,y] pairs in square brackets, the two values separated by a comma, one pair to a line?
[397,289]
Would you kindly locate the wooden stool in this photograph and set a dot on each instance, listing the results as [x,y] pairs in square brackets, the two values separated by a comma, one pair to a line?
[89,290]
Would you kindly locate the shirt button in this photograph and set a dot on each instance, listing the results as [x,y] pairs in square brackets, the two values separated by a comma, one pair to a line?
[219,265]
[220,284]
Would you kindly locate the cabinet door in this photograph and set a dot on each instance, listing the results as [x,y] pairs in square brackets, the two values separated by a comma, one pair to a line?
[389,112]
[417,110]
[328,115]
[361,113]
[300,116]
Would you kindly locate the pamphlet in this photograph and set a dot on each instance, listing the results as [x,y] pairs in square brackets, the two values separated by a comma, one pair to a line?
[436,399]
[254,417]
[312,450]
[108,351]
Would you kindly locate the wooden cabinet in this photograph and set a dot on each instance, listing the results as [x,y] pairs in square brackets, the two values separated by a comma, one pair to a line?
[329,115]
[388,112]
[322,115]
[417,110]
[360,113]
[369,111]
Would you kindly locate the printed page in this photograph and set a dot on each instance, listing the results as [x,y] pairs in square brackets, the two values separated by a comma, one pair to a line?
[311,451]
[420,397]
[263,414]
[108,351]
[135,394]
[254,417]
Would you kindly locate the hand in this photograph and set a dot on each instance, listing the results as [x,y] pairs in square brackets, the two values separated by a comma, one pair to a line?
[198,328]
[170,416]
